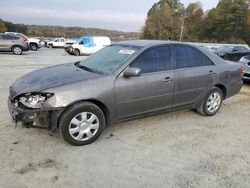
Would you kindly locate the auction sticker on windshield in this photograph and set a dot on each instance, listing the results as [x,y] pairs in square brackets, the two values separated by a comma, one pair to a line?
[124,51]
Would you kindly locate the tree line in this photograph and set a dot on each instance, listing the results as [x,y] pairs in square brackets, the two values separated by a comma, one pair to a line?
[228,22]
[44,31]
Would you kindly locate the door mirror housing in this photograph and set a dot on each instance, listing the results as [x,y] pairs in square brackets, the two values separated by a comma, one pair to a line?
[132,72]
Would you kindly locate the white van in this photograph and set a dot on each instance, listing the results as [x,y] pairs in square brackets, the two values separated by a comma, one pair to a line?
[90,45]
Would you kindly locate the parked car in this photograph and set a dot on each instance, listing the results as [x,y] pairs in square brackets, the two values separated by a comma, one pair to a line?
[89,45]
[245,62]
[123,81]
[57,43]
[34,44]
[232,53]
[10,43]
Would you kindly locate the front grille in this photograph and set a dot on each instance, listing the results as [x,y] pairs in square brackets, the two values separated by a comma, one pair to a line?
[246,75]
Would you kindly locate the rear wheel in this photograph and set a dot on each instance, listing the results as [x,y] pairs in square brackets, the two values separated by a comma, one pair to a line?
[17,50]
[81,124]
[211,103]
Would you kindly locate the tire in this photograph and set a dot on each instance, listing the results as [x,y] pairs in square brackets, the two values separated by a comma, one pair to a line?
[17,50]
[33,47]
[77,52]
[226,57]
[81,124]
[211,103]
[50,45]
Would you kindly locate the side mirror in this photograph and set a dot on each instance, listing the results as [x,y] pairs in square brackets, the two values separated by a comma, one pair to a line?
[132,72]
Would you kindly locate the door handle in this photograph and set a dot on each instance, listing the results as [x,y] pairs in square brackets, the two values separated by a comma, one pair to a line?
[167,79]
[211,72]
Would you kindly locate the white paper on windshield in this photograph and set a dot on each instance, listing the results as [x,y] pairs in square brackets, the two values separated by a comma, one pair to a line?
[128,52]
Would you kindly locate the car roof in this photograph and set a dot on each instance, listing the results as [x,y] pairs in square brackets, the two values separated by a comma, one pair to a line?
[143,43]
[150,43]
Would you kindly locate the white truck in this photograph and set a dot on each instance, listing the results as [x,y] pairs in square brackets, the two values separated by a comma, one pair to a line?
[57,43]
[34,43]
[89,45]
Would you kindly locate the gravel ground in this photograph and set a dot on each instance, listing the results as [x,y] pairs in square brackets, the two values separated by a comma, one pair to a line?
[180,149]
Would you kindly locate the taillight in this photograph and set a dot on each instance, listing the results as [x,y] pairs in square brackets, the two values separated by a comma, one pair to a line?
[26,40]
[241,71]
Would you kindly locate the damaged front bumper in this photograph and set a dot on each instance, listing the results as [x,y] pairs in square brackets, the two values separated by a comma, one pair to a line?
[45,118]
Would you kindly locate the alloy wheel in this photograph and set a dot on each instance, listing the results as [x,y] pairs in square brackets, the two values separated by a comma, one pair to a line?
[17,50]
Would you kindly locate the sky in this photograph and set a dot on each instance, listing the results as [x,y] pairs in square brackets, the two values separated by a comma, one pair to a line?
[122,15]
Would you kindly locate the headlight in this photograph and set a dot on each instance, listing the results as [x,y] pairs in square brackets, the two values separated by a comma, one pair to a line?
[34,100]
[244,60]
[221,54]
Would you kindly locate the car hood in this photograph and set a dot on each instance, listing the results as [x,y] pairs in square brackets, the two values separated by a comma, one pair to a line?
[50,77]
[33,40]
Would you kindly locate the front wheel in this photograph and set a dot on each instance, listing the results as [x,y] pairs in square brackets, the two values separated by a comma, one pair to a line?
[33,47]
[211,103]
[81,124]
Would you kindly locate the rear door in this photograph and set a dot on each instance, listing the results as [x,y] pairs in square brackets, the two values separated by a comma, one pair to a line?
[1,42]
[7,42]
[151,91]
[194,74]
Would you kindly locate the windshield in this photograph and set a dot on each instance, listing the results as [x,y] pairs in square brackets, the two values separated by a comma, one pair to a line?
[225,48]
[109,59]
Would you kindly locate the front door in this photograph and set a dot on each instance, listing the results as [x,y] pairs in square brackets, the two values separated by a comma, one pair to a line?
[151,91]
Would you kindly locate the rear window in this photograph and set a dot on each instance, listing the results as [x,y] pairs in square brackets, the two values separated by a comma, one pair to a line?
[8,37]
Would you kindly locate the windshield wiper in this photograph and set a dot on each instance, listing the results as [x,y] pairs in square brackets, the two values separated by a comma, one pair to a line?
[88,69]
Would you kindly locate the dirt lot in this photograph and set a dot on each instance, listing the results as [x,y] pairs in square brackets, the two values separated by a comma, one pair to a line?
[180,149]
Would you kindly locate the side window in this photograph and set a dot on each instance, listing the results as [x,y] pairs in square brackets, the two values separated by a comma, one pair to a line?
[207,61]
[86,40]
[57,40]
[7,37]
[186,57]
[154,60]
[16,38]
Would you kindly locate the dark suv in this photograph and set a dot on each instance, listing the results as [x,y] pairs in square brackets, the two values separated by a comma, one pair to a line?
[9,43]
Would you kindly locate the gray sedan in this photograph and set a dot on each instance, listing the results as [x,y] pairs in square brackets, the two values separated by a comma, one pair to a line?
[123,81]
